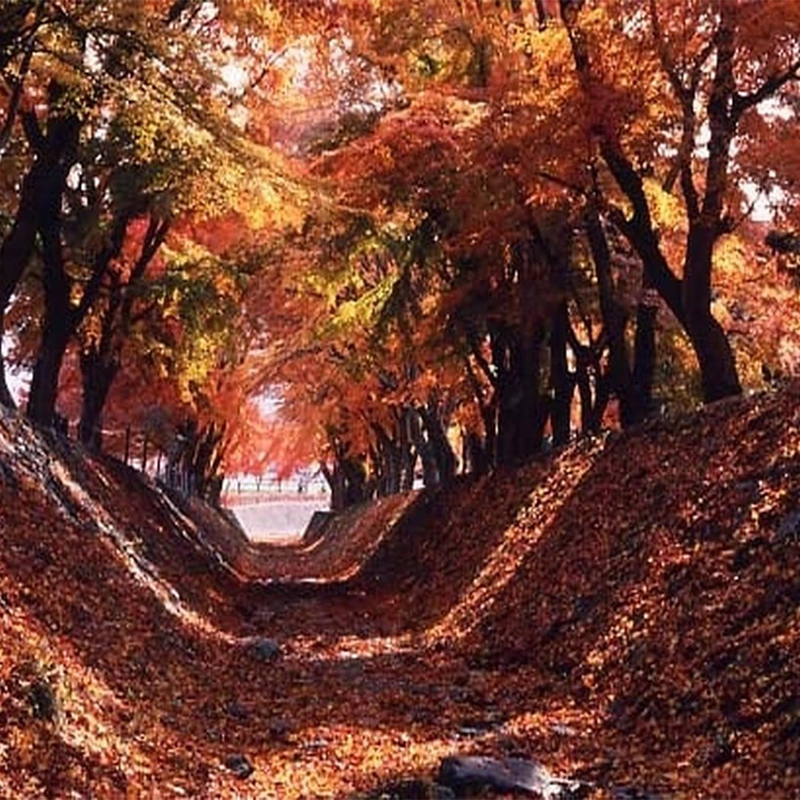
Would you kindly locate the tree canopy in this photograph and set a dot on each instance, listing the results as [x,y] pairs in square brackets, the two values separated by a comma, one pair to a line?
[441,236]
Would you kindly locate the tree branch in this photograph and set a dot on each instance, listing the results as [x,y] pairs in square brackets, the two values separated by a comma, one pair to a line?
[16,95]
[33,132]
[743,102]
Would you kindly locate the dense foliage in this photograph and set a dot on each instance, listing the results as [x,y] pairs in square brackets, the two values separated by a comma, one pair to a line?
[442,236]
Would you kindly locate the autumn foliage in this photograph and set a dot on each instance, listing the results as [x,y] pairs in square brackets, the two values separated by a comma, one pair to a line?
[438,246]
[526,254]
[624,612]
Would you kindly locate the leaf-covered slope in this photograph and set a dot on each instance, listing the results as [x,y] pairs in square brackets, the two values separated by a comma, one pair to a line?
[652,577]
[625,611]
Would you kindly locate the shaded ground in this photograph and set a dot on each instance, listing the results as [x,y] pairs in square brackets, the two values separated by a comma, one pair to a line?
[626,612]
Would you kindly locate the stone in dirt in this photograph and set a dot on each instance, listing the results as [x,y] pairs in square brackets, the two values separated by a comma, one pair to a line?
[789,528]
[240,765]
[266,649]
[43,701]
[462,773]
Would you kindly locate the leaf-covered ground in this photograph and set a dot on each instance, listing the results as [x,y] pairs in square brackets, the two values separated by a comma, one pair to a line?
[627,612]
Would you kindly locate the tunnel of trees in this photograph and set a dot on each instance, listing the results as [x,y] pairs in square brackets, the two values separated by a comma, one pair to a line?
[442,237]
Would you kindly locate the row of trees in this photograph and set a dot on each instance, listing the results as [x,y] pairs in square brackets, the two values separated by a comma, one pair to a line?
[130,202]
[544,219]
[441,236]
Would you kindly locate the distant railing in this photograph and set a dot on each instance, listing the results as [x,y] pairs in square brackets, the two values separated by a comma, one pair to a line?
[245,488]
[143,452]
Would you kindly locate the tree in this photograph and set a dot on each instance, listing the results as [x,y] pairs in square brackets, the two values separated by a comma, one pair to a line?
[714,71]
[133,111]
[40,199]
[101,349]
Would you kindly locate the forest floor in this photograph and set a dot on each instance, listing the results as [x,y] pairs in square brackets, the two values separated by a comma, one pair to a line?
[626,612]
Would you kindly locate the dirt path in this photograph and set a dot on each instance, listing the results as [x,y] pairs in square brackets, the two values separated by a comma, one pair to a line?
[277,521]
[625,613]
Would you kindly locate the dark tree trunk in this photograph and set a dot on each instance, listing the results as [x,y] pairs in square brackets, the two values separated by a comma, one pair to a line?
[589,380]
[100,361]
[335,480]
[562,380]
[55,334]
[39,206]
[689,298]
[442,451]
[58,317]
[508,396]
[57,150]
[535,406]
[44,383]
[200,457]
[97,376]
[357,489]
[481,451]
[15,253]
[522,410]
[633,405]
[99,364]
[718,371]
[347,480]
[387,465]
[476,460]
[407,457]
[490,447]
[423,448]
[394,457]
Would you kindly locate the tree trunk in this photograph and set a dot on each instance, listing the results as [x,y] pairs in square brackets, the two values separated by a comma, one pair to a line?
[388,469]
[442,451]
[406,457]
[57,152]
[535,406]
[714,354]
[424,448]
[476,460]
[522,411]
[356,485]
[336,483]
[58,317]
[633,406]
[15,253]
[347,480]
[44,383]
[562,381]
[40,198]
[690,297]
[718,372]
[482,451]
[393,458]
[97,376]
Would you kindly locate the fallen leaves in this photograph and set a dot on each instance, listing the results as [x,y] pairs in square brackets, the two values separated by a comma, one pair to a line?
[625,613]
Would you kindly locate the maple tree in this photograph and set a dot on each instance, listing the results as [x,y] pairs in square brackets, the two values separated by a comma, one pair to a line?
[482,619]
[470,268]
[441,237]
[712,70]
[129,139]
[647,199]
